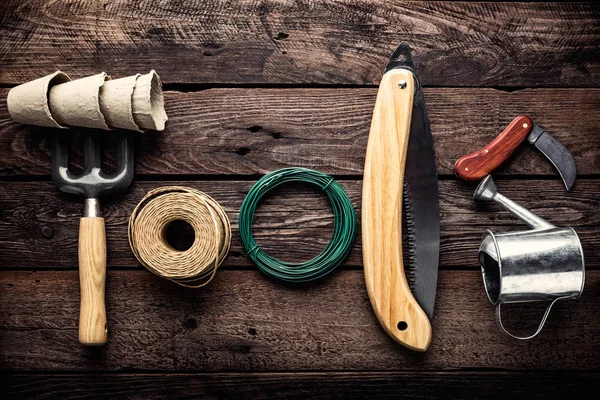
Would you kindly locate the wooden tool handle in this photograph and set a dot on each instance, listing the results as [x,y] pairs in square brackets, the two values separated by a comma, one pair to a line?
[92,279]
[396,308]
[480,164]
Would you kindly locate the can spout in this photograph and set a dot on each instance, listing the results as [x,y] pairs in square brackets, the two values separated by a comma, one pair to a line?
[487,191]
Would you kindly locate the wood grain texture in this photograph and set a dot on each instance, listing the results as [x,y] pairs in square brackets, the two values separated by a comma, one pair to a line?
[38,225]
[479,164]
[251,131]
[243,321]
[92,281]
[246,336]
[306,42]
[393,303]
[303,385]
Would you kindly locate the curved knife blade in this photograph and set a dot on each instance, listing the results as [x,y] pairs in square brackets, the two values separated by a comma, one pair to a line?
[559,156]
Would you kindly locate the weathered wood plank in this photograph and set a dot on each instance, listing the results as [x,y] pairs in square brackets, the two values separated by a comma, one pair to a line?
[303,385]
[330,42]
[245,322]
[250,131]
[39,226]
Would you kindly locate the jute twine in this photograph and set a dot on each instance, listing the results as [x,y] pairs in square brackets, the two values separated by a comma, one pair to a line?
[196,266]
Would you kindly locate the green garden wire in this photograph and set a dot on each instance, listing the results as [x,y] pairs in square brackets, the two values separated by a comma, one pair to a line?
[340,243]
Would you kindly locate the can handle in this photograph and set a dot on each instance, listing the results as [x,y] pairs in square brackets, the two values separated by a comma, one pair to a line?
[539,329]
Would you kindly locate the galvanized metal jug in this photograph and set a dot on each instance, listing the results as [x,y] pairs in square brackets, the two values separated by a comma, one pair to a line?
[542,264]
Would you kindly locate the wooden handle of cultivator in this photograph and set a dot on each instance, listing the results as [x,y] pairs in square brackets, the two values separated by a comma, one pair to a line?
[478,165]
[396,308]
[92,279]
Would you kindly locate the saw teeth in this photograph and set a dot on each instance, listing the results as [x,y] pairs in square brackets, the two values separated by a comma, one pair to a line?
[410,235]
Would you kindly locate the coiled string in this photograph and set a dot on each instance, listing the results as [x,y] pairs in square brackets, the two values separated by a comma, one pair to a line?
[342,237]
[196,266]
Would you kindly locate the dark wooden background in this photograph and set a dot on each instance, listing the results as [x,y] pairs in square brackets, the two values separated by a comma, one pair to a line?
[253,86]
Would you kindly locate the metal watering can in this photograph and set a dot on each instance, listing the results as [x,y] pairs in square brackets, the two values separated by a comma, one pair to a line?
[541,264]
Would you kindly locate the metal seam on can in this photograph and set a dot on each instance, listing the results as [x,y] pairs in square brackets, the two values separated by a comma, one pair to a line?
[196,266]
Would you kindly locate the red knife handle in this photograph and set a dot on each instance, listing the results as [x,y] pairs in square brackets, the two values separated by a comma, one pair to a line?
[478,165]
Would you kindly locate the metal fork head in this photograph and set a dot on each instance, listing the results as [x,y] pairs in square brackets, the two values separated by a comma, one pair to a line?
[92,182]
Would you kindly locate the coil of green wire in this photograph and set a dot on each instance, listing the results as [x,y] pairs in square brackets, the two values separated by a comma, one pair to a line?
[342,237]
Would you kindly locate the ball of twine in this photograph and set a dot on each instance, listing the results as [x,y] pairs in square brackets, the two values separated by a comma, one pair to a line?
[196,266]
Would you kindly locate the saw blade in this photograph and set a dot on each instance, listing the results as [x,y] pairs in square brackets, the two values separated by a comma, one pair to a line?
[422,205]
[421,217]
[421,208]
[408,238]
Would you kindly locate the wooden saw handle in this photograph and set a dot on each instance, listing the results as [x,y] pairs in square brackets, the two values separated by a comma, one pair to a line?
[394,305]
[92,279]
[480,164]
